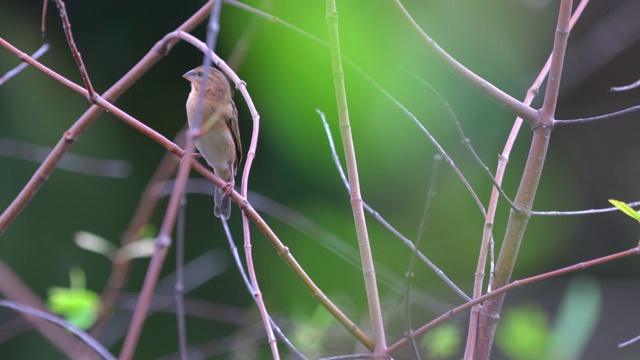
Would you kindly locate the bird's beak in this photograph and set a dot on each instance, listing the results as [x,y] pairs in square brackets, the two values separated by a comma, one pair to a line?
[189,75]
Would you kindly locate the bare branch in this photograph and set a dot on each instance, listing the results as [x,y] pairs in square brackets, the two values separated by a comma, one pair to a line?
[91,342]
[597,118]
[483,86]
[582,212]
[384,222]
[517,283]
[368,268]
[626,87]
[13,72]
[66,25]
[80,126]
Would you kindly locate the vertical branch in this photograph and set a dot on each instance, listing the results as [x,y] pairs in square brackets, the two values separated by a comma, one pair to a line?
[368,269]
[162,243]
[518,221]
[66,25]
[179,285]
[503,159]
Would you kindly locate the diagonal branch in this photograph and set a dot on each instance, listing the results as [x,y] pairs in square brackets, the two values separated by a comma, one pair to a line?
[483,86]
[80,126]
[242,202]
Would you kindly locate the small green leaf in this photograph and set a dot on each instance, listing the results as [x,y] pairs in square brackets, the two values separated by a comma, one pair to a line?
[625,209]
[76,304]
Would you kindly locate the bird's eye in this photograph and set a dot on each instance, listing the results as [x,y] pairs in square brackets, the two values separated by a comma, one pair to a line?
[200,73]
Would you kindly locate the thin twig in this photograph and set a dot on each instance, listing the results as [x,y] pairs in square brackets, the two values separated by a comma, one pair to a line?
[517,283]
[43,23]
[626,87]
[381,220]
[628,342]
[597,118]
[248,284]
[86,338]
[329,241]
[412,262]
[13,72]
[66,25]
[368,268]
[465,140]
[483,86]
[582,212]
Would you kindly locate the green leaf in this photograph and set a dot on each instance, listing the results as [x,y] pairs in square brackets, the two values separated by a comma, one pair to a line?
[76,304]
[625,209]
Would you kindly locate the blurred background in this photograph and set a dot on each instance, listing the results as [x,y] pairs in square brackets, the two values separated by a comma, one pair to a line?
[289,76]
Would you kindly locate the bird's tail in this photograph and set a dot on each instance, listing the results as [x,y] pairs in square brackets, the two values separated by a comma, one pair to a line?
[222,204]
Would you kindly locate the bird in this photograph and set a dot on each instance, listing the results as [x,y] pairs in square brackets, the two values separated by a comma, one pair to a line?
[218,135]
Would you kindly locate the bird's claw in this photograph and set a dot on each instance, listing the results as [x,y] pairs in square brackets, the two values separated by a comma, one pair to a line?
[227,189]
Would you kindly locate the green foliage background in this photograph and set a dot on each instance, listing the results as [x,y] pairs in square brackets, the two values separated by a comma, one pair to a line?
[290,76]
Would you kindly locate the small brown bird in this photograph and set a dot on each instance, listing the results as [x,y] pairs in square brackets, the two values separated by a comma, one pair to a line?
[218,136]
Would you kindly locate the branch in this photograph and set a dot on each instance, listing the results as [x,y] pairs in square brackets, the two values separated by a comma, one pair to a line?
[597,118]
[487,244]
[582,212]
[377,86]
[517,283]
[66,25]
[517,223]
[626,87]
[384,222]
[13,72]
[79,127]
[242,202]
[375,310]
[91,342]
[483,86]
